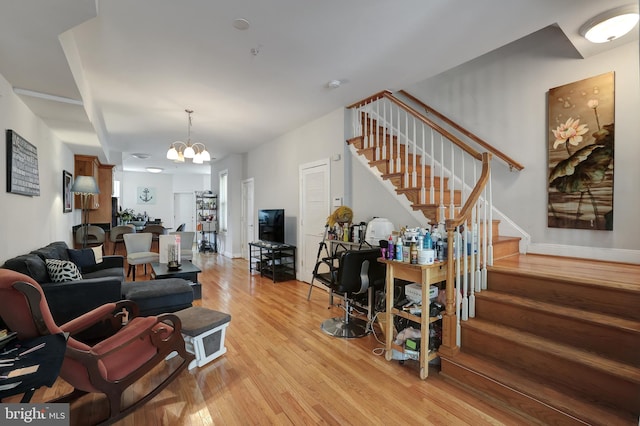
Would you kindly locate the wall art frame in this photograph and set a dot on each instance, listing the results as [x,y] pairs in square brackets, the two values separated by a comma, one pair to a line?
[22,166]
[580,154]
[67,197]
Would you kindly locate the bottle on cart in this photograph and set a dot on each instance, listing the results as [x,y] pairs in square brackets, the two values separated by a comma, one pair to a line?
[391,249]
[406,247]
[427,243]
[413,252]
[399,249]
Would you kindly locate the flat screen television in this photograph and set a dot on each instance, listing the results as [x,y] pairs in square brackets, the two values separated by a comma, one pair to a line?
[271,225]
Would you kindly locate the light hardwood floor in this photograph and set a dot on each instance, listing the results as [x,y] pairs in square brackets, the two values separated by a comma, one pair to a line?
[281,369]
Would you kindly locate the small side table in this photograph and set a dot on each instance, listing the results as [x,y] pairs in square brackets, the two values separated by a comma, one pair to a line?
[188,271]
[48,360]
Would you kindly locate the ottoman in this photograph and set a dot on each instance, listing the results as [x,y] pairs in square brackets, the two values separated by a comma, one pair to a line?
[159,296]
[203,331]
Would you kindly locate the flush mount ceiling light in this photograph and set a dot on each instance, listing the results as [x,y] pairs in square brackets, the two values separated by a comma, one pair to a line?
[196,151]
[141,155]
[155,169]
[240,24]
[610,25]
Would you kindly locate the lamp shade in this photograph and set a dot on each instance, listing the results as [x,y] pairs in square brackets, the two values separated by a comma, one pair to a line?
[172,154]
[85,185]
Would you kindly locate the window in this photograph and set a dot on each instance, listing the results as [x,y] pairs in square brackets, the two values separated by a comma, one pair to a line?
[222,202]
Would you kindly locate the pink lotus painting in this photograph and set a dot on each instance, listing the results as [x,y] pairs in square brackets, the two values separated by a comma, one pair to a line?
[580,144]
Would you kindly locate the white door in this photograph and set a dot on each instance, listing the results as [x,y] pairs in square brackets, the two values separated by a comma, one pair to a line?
[247,219]
[184,210]
[314,209]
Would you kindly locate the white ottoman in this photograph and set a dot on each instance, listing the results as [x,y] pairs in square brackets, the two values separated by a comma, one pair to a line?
[203,331]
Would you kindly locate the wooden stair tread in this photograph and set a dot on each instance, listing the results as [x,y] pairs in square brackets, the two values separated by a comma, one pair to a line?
[523,383]
[577,279]
[559,310]
[574,268]
[611,367]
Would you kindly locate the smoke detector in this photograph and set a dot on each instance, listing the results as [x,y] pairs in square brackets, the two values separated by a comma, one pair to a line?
[334,84]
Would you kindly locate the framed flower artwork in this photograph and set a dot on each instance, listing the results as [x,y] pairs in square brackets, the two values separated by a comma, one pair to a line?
[581,145]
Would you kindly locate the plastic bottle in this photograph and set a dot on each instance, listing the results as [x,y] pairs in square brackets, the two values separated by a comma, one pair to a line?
[428,242]
[406,247]
[420,239]
[399,249]
[391,250]
[413,252]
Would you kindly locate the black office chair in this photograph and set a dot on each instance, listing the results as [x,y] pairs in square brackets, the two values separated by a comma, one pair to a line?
[359,273]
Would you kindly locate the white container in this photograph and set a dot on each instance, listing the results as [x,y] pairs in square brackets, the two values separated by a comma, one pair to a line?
[426,257]
[378,229]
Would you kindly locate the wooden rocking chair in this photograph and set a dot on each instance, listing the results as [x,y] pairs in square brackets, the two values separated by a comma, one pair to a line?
[109,366]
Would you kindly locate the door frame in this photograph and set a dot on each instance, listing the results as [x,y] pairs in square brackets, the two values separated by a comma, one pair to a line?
[302,249]
[248,187]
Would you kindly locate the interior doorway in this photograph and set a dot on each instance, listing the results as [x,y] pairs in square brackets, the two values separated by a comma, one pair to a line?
[314,210]
[184,210]
[247,217]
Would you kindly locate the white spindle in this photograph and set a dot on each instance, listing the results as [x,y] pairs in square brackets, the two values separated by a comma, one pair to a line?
[423,185]
[432,192]
[406,149]
[414,181]
[398,151]
[441,196]
[384,129]
[452,184]
[490,221]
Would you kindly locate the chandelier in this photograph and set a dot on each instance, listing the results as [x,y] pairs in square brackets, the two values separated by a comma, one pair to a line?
[196,151]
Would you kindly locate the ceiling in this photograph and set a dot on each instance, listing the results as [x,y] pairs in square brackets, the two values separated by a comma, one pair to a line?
[123,72]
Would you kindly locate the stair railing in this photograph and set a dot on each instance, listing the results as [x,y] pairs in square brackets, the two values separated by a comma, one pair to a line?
[416,148]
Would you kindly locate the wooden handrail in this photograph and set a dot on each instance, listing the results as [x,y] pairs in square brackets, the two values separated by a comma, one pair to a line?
[369,99]
[387,94]
[449,324]
[510,162]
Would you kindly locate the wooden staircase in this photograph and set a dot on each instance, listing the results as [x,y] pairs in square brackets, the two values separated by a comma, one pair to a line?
[503,246]
[555,339]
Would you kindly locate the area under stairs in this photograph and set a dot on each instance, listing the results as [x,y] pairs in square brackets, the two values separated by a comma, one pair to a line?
[555,339]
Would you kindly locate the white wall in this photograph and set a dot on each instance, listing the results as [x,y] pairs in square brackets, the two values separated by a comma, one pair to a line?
[502,97]
[27,223]
[166,186]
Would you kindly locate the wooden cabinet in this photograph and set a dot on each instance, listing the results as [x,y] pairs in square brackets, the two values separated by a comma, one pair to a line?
[425,275]
[86,165]
[99,205]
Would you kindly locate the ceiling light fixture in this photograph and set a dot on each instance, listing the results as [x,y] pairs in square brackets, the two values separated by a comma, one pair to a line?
[155,169]
[610,25]
[141,155]
[240,24]
[196,151]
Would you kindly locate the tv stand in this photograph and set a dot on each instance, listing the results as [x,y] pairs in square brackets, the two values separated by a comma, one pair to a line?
[273,260]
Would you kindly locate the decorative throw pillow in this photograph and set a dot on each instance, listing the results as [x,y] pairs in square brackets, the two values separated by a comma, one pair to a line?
[62,270]
[97,253]
[82,258]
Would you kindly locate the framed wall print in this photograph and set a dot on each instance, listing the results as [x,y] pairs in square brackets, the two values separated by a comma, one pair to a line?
[22,166]
[67,198]
[580,146]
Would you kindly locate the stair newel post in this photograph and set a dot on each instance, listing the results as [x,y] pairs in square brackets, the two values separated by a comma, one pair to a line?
[463,238]
[450,345]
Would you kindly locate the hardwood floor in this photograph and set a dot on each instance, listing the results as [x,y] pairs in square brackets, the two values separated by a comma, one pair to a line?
[281,369]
